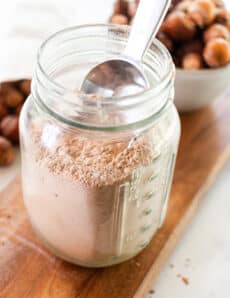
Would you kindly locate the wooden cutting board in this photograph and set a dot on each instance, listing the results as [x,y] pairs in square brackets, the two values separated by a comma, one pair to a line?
[28,270]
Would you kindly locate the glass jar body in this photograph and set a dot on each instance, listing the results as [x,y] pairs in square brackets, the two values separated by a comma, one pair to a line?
[96,175]
[105,223]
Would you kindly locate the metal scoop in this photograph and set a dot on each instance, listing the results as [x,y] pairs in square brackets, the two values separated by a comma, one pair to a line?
[124,75]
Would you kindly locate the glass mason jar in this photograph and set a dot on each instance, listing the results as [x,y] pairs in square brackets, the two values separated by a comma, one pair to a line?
[97,172]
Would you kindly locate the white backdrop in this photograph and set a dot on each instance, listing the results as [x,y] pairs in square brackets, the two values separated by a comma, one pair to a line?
[24,24]
[205,243]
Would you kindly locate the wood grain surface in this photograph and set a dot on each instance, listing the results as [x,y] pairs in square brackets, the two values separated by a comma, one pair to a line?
[28,270]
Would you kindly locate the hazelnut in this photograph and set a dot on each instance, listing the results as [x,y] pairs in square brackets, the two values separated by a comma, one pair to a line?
[6,86]
[13,98]
[217,52]
[9,127]
[179,27]
[132,8]
[6,152]
[119,19]
[223,17]
[120,7]
[192,61]
[165,40]
[215,31]
[3,109]
[25,87]
[183,5]
[174,3]
[203,12]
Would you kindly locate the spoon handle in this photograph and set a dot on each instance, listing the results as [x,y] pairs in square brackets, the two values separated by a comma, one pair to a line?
[150,14]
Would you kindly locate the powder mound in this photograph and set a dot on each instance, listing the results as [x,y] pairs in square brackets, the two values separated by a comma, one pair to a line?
[95,162]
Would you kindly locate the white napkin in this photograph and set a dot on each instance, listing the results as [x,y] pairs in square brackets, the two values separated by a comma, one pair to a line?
[25,24]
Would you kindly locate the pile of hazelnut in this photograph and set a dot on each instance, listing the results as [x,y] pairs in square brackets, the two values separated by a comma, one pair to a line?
[12,97]
[196,32]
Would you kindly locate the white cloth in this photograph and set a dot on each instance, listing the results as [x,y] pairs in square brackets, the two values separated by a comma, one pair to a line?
[25,24]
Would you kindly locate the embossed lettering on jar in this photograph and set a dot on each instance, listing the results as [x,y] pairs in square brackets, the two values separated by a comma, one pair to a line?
[97,172]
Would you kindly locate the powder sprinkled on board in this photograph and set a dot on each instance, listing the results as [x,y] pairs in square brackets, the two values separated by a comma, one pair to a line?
[185,280]
[151,292]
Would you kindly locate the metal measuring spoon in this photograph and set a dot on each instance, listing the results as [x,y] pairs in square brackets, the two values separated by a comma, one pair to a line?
[124,75]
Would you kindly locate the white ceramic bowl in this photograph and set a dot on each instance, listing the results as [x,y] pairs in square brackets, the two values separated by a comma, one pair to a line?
[196,89]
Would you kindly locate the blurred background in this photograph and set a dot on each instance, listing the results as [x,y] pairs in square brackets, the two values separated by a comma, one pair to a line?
[196,33]
[203,74]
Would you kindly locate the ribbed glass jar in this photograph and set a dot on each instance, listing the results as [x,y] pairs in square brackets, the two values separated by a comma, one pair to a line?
[97,172]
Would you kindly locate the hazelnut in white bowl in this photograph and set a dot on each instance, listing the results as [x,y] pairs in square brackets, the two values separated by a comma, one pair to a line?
[199,32]
[197,89]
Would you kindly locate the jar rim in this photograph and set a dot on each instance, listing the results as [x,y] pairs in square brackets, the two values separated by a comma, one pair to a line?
[124,101]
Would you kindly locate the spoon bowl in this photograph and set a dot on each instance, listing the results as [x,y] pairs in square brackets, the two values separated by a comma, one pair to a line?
[124,75]
[115,77]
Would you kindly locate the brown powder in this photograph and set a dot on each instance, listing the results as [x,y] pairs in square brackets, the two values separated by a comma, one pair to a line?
[90,200]
[185,281]
[5,215]
[95,162]
[8,216]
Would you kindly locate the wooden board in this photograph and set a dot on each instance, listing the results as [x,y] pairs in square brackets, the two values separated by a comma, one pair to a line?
[27,270]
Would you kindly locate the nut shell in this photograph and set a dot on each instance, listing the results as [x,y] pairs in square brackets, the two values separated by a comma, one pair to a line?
[9,128]
[192,61]
[217,52]
[3,109]
[7,154]
[25,87]
[216,31]
[203,12]
[183,5]
[179,27]
[119,19]
[120,7]
[6,86]
[223,17]
[13,98]
[131,9]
